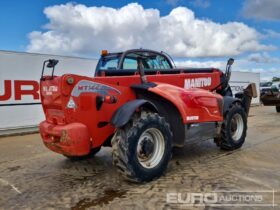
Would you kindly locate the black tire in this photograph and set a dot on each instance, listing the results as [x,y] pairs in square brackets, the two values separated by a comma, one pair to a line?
[278,109]
[125,147]
[84,157]
[227,139]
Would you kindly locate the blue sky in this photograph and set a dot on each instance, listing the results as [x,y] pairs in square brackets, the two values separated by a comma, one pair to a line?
[29,26]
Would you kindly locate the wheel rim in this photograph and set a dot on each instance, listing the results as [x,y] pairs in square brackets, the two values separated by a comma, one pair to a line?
[236,127]
[150,148]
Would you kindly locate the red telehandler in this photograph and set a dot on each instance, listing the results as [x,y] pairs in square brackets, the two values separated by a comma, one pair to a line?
[142,106]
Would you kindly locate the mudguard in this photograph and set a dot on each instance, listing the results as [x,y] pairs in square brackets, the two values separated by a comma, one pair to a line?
[228,100]
[246,96]
[123,114]
[194,105]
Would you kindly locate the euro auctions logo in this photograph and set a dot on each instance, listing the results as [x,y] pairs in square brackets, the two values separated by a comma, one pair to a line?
[18,89]
[224,198]
[192,198]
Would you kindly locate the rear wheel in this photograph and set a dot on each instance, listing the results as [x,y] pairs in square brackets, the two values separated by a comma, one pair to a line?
[277,108]
[234,128]
[142,148]
[84,157]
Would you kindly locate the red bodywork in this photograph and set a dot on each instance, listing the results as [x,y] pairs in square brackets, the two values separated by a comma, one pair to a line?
[74,128]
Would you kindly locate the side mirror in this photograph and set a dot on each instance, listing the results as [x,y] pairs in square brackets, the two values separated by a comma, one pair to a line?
[228,70]
[230,61]
[52,63]
[225,82]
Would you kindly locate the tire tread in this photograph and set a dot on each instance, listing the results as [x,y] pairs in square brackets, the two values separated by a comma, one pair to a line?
[120,150]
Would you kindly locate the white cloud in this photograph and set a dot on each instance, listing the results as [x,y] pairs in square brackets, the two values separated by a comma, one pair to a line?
[271,34]
[268,73]
[263,58]
[262,9]
[257,63]
[200,64]
[81,30]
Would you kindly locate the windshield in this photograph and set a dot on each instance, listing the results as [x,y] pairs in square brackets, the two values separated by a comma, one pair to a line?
[151,61]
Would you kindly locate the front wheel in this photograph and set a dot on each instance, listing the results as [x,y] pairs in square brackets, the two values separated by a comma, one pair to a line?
[277,108]
[234,128]
[142,148]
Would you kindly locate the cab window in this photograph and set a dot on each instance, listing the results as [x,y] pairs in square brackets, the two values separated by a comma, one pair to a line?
[151,61]
[130,63]
[108,63]
[158,62]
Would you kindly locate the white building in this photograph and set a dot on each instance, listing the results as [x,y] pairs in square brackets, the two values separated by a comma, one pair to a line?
[20,73]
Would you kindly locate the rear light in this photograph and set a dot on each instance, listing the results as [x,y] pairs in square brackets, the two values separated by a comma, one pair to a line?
[70,80]
[54,138]
[105,99]
[110,99]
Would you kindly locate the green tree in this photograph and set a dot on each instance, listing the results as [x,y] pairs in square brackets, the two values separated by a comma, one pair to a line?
[275,79]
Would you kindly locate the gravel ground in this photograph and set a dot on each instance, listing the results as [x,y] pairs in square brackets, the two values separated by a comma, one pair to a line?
[32,177]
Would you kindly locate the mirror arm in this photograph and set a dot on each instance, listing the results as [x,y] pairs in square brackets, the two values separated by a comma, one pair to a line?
[43,69]
[53,71]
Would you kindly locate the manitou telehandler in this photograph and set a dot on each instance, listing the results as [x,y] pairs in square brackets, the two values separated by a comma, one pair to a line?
[142,106]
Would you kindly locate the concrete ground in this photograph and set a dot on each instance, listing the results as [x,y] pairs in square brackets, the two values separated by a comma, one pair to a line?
[32,177]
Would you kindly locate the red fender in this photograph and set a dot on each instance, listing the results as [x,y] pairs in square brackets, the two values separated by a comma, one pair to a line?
[195,105]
